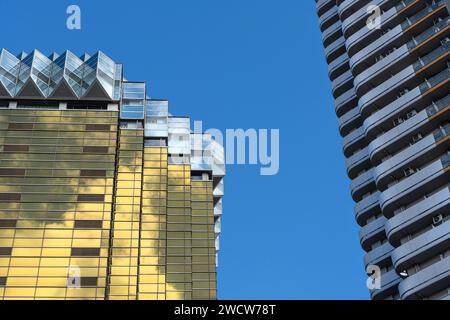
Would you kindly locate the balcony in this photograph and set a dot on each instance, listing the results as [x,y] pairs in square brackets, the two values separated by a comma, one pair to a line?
[335,49]
[345,102]
[422,248]
[323,6]
[379,256]
[367,207]
[332,33]
[379,69]
[371,233]
[348,24]
[338,66]
[328,18]
[353,141]
[342,83]
[409,125]
[349,120]
[357,162]
[387,91]
[409,220]
[357,61]
[426,281]
[412,156]
[362,184]
[424,181]
[356,41]
[389,285]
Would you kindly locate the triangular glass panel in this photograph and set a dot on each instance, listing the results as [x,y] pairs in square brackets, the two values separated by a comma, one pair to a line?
[3,92]
[96,92]
[63,91]
[30,90]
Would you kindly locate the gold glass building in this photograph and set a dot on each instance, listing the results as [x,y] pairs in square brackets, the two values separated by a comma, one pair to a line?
[103,194]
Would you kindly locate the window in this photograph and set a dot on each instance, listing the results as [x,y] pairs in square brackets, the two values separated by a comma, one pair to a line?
[92,173]
[15,148]
[98,127]
[20,126]
[8,223]
[86,224]
[95,149]
[10,197]
[88,281]
[85,252]
[5,251]
[91,198]
[12,172]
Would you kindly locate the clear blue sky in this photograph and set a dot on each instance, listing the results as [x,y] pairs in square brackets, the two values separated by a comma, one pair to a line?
[236,64]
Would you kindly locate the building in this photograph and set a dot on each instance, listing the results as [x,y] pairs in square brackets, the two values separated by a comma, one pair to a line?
[103,193]
[390,81]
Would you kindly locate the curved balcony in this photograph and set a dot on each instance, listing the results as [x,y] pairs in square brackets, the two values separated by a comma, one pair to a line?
[345,102]
[389,286]
[426,281]
[409,220]
[391,111]
[424,121]
[348,24]
[362,81]
[433,87]
[342,83]
[371,233]
[386,91]
[407,190]
[353,141]
[332,33]
[390,141]
[362,184]
[364,36]
[387,40]
[338,66]
[323,6]
[349,120]
[357,162]
[335,49]
[379,256]
[414,155]
[328,18]
[422,248]
[347,7]
[367,207]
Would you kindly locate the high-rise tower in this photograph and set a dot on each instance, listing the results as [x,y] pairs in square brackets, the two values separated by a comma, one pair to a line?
[389,66]
[103,193]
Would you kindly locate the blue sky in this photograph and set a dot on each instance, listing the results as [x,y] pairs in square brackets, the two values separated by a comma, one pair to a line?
[236,64]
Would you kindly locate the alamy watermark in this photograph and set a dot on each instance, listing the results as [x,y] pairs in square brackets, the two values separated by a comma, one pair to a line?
[374,20]
[250,146]
[73,21]
[374,277]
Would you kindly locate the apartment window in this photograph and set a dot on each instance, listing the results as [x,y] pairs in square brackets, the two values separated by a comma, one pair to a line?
[91,198]
[98,127]
[5,251]
[95,150]
[10,197]
[8,223]
[21,126]
[85,252]
[88,281]
[12,172]
[88,224]
[15,148]
[93,173]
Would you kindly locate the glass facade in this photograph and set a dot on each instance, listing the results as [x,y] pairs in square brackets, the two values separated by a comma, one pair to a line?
[94,200]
